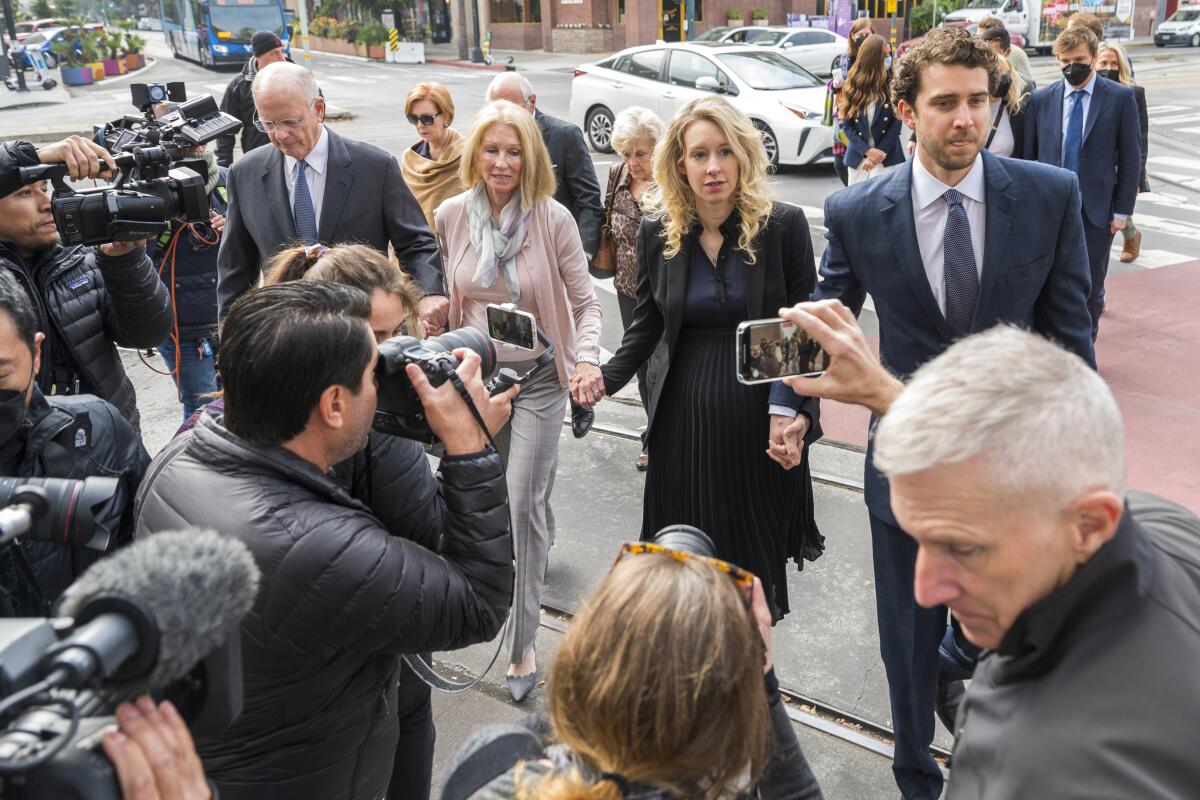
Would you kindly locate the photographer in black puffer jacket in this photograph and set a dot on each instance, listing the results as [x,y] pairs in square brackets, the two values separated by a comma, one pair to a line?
[87,299]
[341,597]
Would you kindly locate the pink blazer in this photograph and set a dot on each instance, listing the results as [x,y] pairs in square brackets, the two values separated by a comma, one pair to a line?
[567,308]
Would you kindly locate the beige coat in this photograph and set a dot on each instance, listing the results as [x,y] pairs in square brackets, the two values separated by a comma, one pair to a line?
[567,309]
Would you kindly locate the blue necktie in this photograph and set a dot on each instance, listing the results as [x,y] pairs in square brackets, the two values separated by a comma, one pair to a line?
[1074,141]
[962,280]
[302,210]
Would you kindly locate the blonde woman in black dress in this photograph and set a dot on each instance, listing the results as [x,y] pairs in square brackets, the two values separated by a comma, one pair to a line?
[715,249]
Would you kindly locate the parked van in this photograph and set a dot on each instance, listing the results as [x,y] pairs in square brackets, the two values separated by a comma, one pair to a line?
[1182,27]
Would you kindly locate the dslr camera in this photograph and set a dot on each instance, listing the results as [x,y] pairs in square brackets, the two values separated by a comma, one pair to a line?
[156,180]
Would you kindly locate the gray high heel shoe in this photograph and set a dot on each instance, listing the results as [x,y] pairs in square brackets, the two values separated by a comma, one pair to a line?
[519,686]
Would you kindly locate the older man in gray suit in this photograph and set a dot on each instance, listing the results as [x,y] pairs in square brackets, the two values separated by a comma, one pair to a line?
[314,186]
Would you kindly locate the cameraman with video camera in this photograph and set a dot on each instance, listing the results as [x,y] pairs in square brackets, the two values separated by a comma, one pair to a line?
[56,437]
[341,597]
[86,299]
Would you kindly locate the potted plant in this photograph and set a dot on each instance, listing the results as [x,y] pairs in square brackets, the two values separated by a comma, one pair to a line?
[374,38]
[133,52]
[89,47]
[72,69]
[759,16]
[112,45]
[733,18]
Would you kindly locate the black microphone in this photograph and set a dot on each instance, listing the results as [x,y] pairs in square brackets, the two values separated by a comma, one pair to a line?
[146,615]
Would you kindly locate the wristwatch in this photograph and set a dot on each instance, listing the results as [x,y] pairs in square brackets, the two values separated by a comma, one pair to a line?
[587,358]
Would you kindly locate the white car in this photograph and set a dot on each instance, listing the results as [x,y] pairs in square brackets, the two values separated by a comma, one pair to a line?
[784,100]
[815,49]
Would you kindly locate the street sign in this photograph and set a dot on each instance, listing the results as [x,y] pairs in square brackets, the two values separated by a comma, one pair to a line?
[393,40]
[891,7]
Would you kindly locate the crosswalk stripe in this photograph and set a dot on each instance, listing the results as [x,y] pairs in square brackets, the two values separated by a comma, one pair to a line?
[1172,161]
[1188,130]
[1174,227]
[1152,259]
[1152,110]
[1176,119]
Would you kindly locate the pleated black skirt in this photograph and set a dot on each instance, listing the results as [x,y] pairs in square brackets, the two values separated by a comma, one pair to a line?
[709,467]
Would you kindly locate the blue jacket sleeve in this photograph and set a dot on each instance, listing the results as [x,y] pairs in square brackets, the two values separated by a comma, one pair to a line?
[837,278]
[1129,156]
[1061,312]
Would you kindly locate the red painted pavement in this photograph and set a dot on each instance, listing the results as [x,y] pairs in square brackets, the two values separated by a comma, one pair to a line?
[1149,353]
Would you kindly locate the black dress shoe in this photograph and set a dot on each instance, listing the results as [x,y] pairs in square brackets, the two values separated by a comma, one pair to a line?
[949,698]
[581,420]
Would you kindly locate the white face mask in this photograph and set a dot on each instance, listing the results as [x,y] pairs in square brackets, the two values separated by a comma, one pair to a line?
[887,62]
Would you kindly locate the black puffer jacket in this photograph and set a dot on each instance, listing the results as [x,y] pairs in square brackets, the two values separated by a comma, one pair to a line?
[340,599]
[68,437]
[87,301]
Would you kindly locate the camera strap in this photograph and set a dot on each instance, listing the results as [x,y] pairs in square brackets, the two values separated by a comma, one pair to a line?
[424,670]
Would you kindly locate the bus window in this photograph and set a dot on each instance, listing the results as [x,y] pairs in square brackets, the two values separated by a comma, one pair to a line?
[170,11]
[237,20]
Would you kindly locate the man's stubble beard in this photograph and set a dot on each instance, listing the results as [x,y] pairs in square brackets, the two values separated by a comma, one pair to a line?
[940,153]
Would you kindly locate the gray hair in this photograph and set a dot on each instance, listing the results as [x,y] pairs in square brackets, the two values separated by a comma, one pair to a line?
[636,123]
[285,76]
[498,85]
[1043,422]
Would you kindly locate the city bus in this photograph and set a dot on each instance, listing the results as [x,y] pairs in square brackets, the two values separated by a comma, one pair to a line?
[218,31]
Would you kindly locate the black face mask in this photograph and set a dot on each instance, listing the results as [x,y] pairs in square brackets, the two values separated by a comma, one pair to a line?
[1111,74]
[13,411]
[1077,74]
[1002,86]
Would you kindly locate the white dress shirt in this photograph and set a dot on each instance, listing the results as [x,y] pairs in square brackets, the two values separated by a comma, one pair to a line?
[317,161]
[1002,140]
[929,216]
[1068,91]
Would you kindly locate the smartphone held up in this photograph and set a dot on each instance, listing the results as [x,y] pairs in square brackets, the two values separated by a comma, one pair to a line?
[773,349]
[509,326]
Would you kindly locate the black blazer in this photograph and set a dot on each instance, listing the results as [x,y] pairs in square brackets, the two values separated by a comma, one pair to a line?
[783,275]
[1139,94]
[577,187]
[366,201]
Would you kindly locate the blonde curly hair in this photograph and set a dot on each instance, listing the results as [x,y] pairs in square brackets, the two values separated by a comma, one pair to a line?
[672,200]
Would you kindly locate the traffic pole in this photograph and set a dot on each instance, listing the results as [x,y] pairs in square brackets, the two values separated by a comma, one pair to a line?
[302,7]
[891,9]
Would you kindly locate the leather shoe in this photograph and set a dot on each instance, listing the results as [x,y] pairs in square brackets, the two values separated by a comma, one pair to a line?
[519,686]
[1133,247]
[949,698]
[581,420]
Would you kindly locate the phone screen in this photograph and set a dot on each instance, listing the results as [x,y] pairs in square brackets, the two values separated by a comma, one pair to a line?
[511,326]
[771,349]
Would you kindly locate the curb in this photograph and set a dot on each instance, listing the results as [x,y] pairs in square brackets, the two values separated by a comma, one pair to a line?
[446,62]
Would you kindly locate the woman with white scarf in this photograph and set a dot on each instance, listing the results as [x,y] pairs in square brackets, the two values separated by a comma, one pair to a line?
[507,240]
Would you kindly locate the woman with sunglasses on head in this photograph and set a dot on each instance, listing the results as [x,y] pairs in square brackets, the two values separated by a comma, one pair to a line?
[662,688]
[715,250]
[506,240]
[430,167]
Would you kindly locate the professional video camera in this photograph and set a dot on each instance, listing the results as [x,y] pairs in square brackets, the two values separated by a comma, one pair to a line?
[160,615]
[157,181]
[398,409]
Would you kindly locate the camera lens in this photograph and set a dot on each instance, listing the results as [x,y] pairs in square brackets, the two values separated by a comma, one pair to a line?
[686,538]
[470,338]
[158,94]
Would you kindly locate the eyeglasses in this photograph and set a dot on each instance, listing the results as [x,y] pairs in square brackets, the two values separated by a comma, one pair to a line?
[424,119]
[741,577]
[291,124]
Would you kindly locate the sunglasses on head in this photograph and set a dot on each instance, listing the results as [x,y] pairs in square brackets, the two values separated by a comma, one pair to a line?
[424,119]
[744,579]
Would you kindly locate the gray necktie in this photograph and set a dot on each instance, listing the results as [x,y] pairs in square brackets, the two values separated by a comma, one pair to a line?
[302,210]
[962,280]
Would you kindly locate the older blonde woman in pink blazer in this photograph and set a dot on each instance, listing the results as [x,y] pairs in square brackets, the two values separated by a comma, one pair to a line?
[506,240]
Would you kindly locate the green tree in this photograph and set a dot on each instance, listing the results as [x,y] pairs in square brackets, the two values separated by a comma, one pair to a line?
[920,19]
[41,9]
[65,8]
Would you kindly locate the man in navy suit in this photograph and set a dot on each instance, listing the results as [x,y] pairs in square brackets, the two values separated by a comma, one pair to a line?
[1093,131]
[954,242]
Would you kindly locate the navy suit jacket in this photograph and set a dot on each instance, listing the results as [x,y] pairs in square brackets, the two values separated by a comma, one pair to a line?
[885,129]
[1110,161]
[1035,268]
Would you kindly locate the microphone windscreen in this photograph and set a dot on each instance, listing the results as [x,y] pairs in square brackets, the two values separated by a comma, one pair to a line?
[197,584]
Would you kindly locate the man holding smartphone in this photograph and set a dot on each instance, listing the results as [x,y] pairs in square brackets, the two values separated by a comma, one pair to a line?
[945,260]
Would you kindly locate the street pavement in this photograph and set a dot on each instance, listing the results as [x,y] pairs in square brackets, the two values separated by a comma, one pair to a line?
[827,648]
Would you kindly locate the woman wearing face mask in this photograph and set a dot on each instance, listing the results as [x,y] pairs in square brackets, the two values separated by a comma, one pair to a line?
[871,125]
[430,167]
[860,29]
[636,131]
[1112,63]
[1007,114]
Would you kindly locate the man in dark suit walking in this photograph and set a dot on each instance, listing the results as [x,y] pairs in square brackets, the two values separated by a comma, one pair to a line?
[577,187]
[314,186]
[956,241]
[1092,130]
